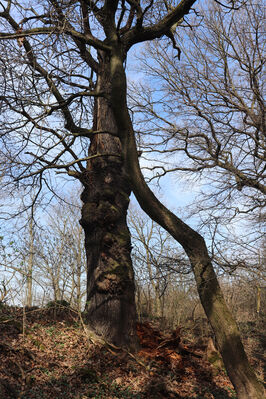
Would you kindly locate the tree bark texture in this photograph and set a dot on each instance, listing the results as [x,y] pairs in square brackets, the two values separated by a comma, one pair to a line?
[224,325]
[110,307]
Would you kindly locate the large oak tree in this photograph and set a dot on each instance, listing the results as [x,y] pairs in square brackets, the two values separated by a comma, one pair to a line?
[55,56]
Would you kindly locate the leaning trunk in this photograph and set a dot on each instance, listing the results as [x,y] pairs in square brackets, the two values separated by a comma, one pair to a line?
[110,303]
[224,326]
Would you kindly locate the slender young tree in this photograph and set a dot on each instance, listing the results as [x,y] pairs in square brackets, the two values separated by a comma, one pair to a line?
[60,255]
[157,262]
[110,28]
[30,264]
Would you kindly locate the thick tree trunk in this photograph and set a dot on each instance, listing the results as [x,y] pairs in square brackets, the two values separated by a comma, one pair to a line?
[110,307]
[224,326]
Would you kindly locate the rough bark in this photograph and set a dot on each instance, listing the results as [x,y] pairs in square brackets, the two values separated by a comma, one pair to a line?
[223,324]
[110,304]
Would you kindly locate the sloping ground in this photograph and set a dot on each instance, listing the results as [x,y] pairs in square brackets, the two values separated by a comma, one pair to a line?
[47,355]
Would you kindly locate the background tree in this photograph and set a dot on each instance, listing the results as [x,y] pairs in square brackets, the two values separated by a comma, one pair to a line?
[163,275]
[61,256]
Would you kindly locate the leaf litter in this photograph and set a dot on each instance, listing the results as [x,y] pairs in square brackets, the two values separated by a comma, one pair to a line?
[47,355]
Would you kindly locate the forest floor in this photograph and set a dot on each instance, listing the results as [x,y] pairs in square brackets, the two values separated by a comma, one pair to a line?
[46,354]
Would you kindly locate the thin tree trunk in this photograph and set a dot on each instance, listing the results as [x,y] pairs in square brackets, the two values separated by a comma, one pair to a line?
[78,273]
[110,303]
[258,299]
[30,266]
